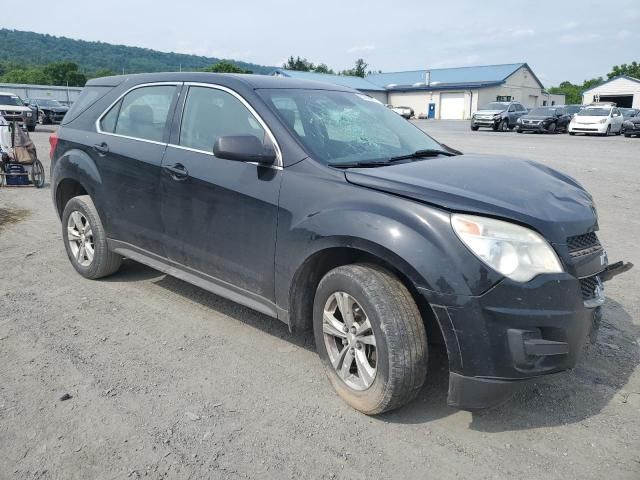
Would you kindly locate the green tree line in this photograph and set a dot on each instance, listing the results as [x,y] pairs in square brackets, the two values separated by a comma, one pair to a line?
[303,65]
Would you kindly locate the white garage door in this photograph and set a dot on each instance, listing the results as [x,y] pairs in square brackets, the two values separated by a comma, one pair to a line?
[452,106]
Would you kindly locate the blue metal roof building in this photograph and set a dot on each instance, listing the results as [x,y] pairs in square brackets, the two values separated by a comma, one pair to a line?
[446,93]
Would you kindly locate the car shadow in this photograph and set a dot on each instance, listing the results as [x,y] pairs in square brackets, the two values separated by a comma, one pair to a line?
[565,398]
[132,271]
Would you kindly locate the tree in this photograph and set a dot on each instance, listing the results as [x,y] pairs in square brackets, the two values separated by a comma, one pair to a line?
[32,76]
[632,70]
[65,73]
[225,66]
[299,64]
[322,68]
[359,70]
[103,72]
[573,93]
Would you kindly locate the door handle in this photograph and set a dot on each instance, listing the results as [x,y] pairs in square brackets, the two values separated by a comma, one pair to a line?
[177,171]
[101,148]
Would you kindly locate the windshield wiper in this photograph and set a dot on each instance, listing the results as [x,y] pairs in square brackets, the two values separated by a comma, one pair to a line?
[363,164]
[431,152]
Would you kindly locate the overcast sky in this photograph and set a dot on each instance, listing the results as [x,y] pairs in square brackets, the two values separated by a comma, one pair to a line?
[560,39]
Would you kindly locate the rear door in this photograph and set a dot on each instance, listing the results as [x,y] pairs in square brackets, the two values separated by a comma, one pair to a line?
[220,215]
[128,149]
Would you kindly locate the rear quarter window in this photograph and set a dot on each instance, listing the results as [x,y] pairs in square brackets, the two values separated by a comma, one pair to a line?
[88,97]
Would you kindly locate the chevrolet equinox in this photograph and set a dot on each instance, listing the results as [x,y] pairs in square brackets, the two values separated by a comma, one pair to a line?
[318,206]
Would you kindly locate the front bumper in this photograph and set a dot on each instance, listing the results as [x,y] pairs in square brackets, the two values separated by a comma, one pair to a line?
[516,332]
[531,127]
[53,117]
[588,127]
[485,122]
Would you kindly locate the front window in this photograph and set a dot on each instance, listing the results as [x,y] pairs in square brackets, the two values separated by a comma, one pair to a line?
[343,127]
[594,112]
[494,106]
[210,113]
[12,100]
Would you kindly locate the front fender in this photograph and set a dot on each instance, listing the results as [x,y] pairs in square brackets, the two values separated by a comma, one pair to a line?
[319,212]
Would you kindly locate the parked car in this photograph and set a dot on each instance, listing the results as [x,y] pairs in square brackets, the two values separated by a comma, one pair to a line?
[572,109]
[627,113]
[599,119]
[544,120]
[632,126]
[49,110]
[315,205]
[14,110]
[501,116]
[406,112]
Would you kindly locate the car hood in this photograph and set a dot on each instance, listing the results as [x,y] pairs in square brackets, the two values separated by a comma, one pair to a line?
[14,108]
[55,109]
[589,118]
[523,191]
[537,117]
[488,112]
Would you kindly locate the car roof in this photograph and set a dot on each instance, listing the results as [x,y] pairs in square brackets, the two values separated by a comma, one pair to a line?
[11,94]
[224,79]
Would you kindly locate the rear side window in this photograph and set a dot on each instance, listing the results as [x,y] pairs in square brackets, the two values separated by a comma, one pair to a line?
[210,113]
[142,113]
[88,97]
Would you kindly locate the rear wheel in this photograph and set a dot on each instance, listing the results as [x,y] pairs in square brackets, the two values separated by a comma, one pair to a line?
[86,241]
[370,338]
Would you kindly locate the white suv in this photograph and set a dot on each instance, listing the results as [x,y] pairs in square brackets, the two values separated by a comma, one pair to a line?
[600,119]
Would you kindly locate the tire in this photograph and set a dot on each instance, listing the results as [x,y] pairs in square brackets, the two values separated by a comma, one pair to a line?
[518,130]
[572,133]
[41,118]
[103,262]
[31,128]
[398,355]
[504,125]
[552,128]
[37,174]
[475,129]
[627,135]
[607,133]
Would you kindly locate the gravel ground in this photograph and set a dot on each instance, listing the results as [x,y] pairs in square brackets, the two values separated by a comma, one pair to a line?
[169,381]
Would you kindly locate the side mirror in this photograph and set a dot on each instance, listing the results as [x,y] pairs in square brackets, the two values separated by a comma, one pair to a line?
[244,148]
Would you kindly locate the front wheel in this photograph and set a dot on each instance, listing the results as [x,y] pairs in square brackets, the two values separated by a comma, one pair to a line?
[552,128]
[31,128]
[86,241]
[504,125]
[474,128]
[370,337]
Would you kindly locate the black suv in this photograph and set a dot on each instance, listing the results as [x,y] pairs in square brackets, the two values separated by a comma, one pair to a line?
[501,116]
[318,206]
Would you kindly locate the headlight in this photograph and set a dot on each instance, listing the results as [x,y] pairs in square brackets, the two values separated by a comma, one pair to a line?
[604,120]
[29,114]
[514,251]
[519,120]
[497,117]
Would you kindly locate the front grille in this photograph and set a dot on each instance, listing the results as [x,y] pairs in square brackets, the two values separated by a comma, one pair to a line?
[590,287]
[585,244]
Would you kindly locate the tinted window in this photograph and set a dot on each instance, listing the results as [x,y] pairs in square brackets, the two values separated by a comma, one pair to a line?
[211,113]
[142,113]
[88,97]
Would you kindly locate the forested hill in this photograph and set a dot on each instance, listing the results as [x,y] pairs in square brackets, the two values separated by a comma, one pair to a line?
[32,49]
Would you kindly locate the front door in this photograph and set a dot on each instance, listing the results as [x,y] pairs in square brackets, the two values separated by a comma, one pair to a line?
[220,215]
[128,148]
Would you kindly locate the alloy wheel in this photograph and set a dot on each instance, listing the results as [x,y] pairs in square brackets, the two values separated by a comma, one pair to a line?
[350,341]
[80,238]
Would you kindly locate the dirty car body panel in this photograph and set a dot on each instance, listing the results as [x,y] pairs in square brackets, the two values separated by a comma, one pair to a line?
[249,232]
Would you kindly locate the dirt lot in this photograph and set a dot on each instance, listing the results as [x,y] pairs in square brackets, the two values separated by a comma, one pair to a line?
[169,381]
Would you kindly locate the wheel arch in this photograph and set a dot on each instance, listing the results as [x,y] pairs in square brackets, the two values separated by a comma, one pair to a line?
[348,251]
[74,173]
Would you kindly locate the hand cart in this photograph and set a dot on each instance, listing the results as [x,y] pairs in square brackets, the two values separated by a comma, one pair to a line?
[19,164]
